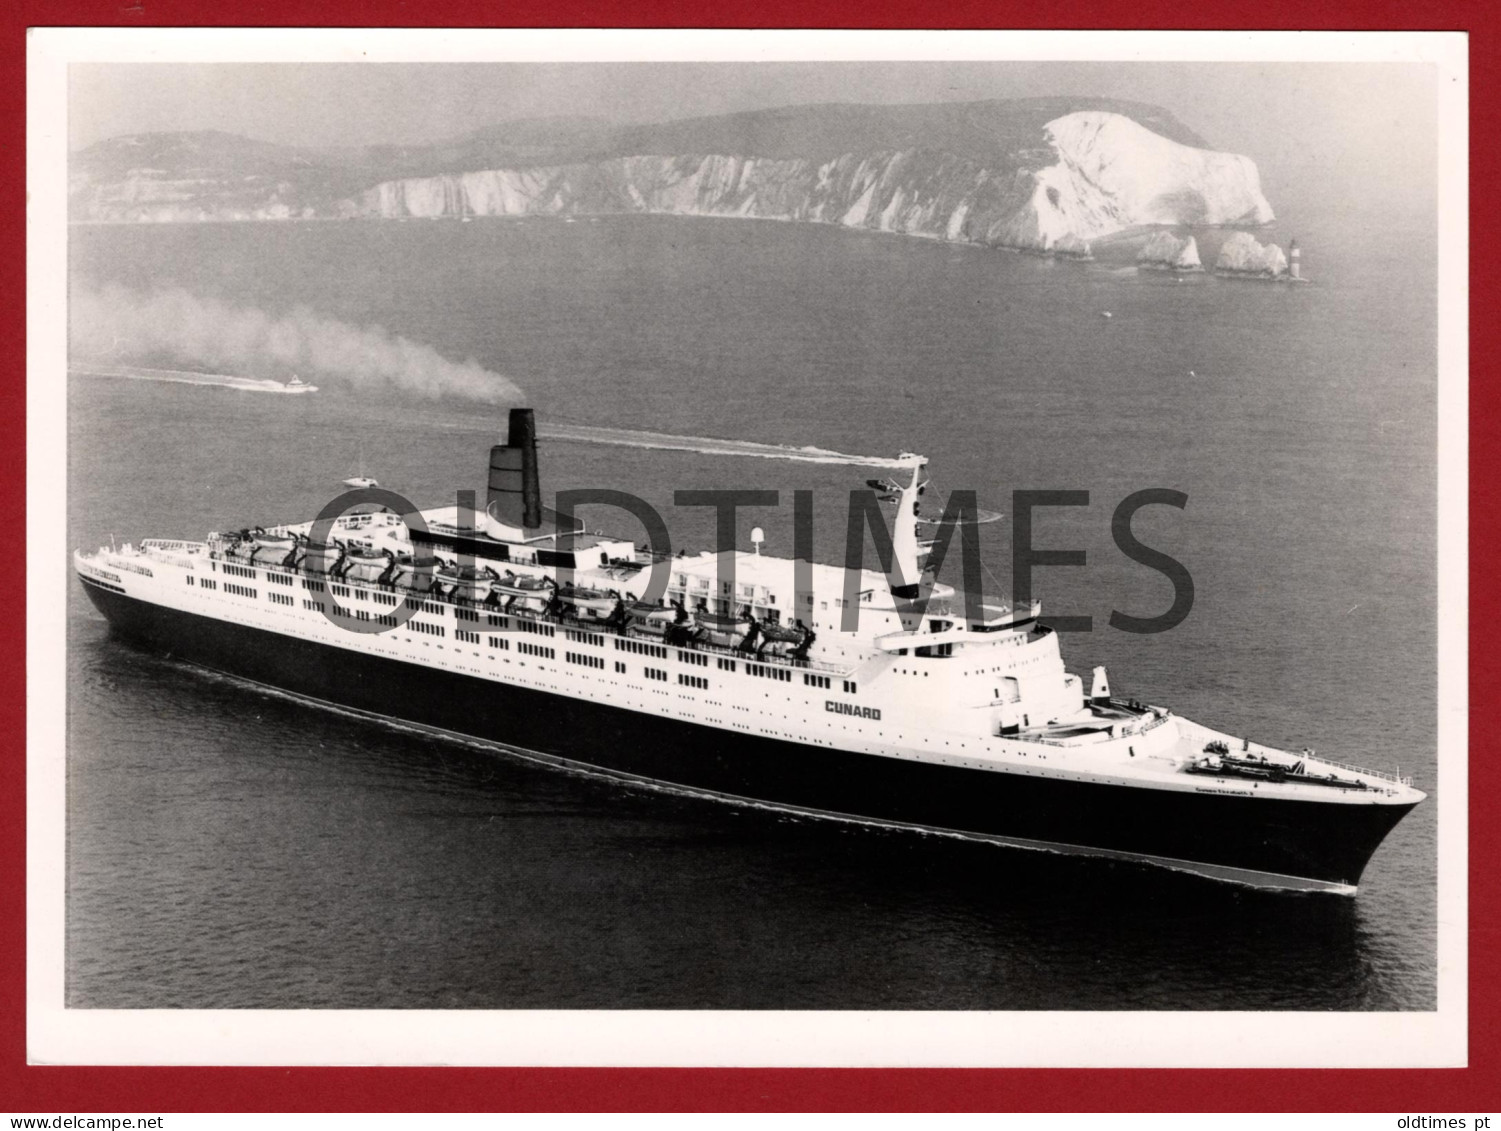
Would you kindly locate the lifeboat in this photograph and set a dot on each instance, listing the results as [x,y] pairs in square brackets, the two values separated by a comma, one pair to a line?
[531,593]
[780,636]
[322,557]
[651,620]
[588,604]
[468,583]
[420,575]
[724,631]
[366,564]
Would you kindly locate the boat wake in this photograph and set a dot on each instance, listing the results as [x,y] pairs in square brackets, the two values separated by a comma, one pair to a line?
[190,377]
[706,445]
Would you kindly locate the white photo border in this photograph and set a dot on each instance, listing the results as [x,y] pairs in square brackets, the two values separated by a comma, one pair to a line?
[59,1035]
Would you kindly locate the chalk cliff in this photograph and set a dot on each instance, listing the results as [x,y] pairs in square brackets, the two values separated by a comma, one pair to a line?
[1242,255]
[1102,173]
[1166,252]
[1038,174]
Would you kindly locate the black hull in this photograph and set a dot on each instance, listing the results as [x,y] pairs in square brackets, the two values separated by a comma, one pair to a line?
[1269,842]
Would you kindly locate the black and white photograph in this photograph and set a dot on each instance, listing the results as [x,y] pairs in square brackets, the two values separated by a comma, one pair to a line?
[920,544]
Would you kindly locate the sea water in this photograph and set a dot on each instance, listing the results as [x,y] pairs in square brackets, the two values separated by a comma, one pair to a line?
[231,848]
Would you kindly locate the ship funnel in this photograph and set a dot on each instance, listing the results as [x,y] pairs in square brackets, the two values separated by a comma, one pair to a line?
[514,497]
[906,566]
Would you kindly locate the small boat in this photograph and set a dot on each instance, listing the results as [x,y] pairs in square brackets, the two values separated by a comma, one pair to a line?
[298,385]
[589,604]
[361,481]
[266,540]
[366,564]
[533,593]
[323,557]
[468,583]
[778,636]
[724,631]
[652,620]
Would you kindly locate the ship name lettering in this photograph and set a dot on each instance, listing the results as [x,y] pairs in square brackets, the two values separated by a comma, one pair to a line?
[837,708]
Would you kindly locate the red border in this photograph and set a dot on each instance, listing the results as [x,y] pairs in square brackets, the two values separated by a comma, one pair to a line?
[1459,1091]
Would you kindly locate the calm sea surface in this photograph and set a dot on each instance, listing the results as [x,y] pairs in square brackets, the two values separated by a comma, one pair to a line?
[228,847]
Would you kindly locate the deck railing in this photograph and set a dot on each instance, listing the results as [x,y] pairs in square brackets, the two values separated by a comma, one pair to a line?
[1397,777]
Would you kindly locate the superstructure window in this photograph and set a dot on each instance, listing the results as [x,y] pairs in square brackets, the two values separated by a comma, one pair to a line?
[641,649]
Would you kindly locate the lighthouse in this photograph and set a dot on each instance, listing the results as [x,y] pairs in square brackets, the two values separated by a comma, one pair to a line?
[1295,269]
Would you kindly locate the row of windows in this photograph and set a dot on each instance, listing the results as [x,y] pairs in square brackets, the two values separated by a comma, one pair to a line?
[582,658]
[280,578]
[466,614]
[383,598]
[424,606]
[340,590]
[281,598]
[694,681]
[495,620]
[239,571]
[641,649]
[314,586]
[766,671]
[209,583]
[535,650]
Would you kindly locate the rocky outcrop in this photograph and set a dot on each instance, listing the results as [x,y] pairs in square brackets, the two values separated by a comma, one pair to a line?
[1164,251]
[1020,175]
[1242,255]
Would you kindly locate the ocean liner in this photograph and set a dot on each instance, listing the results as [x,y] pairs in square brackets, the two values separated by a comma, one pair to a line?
[751,678]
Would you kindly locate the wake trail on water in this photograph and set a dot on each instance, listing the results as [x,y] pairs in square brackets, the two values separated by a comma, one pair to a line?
[708,445]
[113,325]
[178,377]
